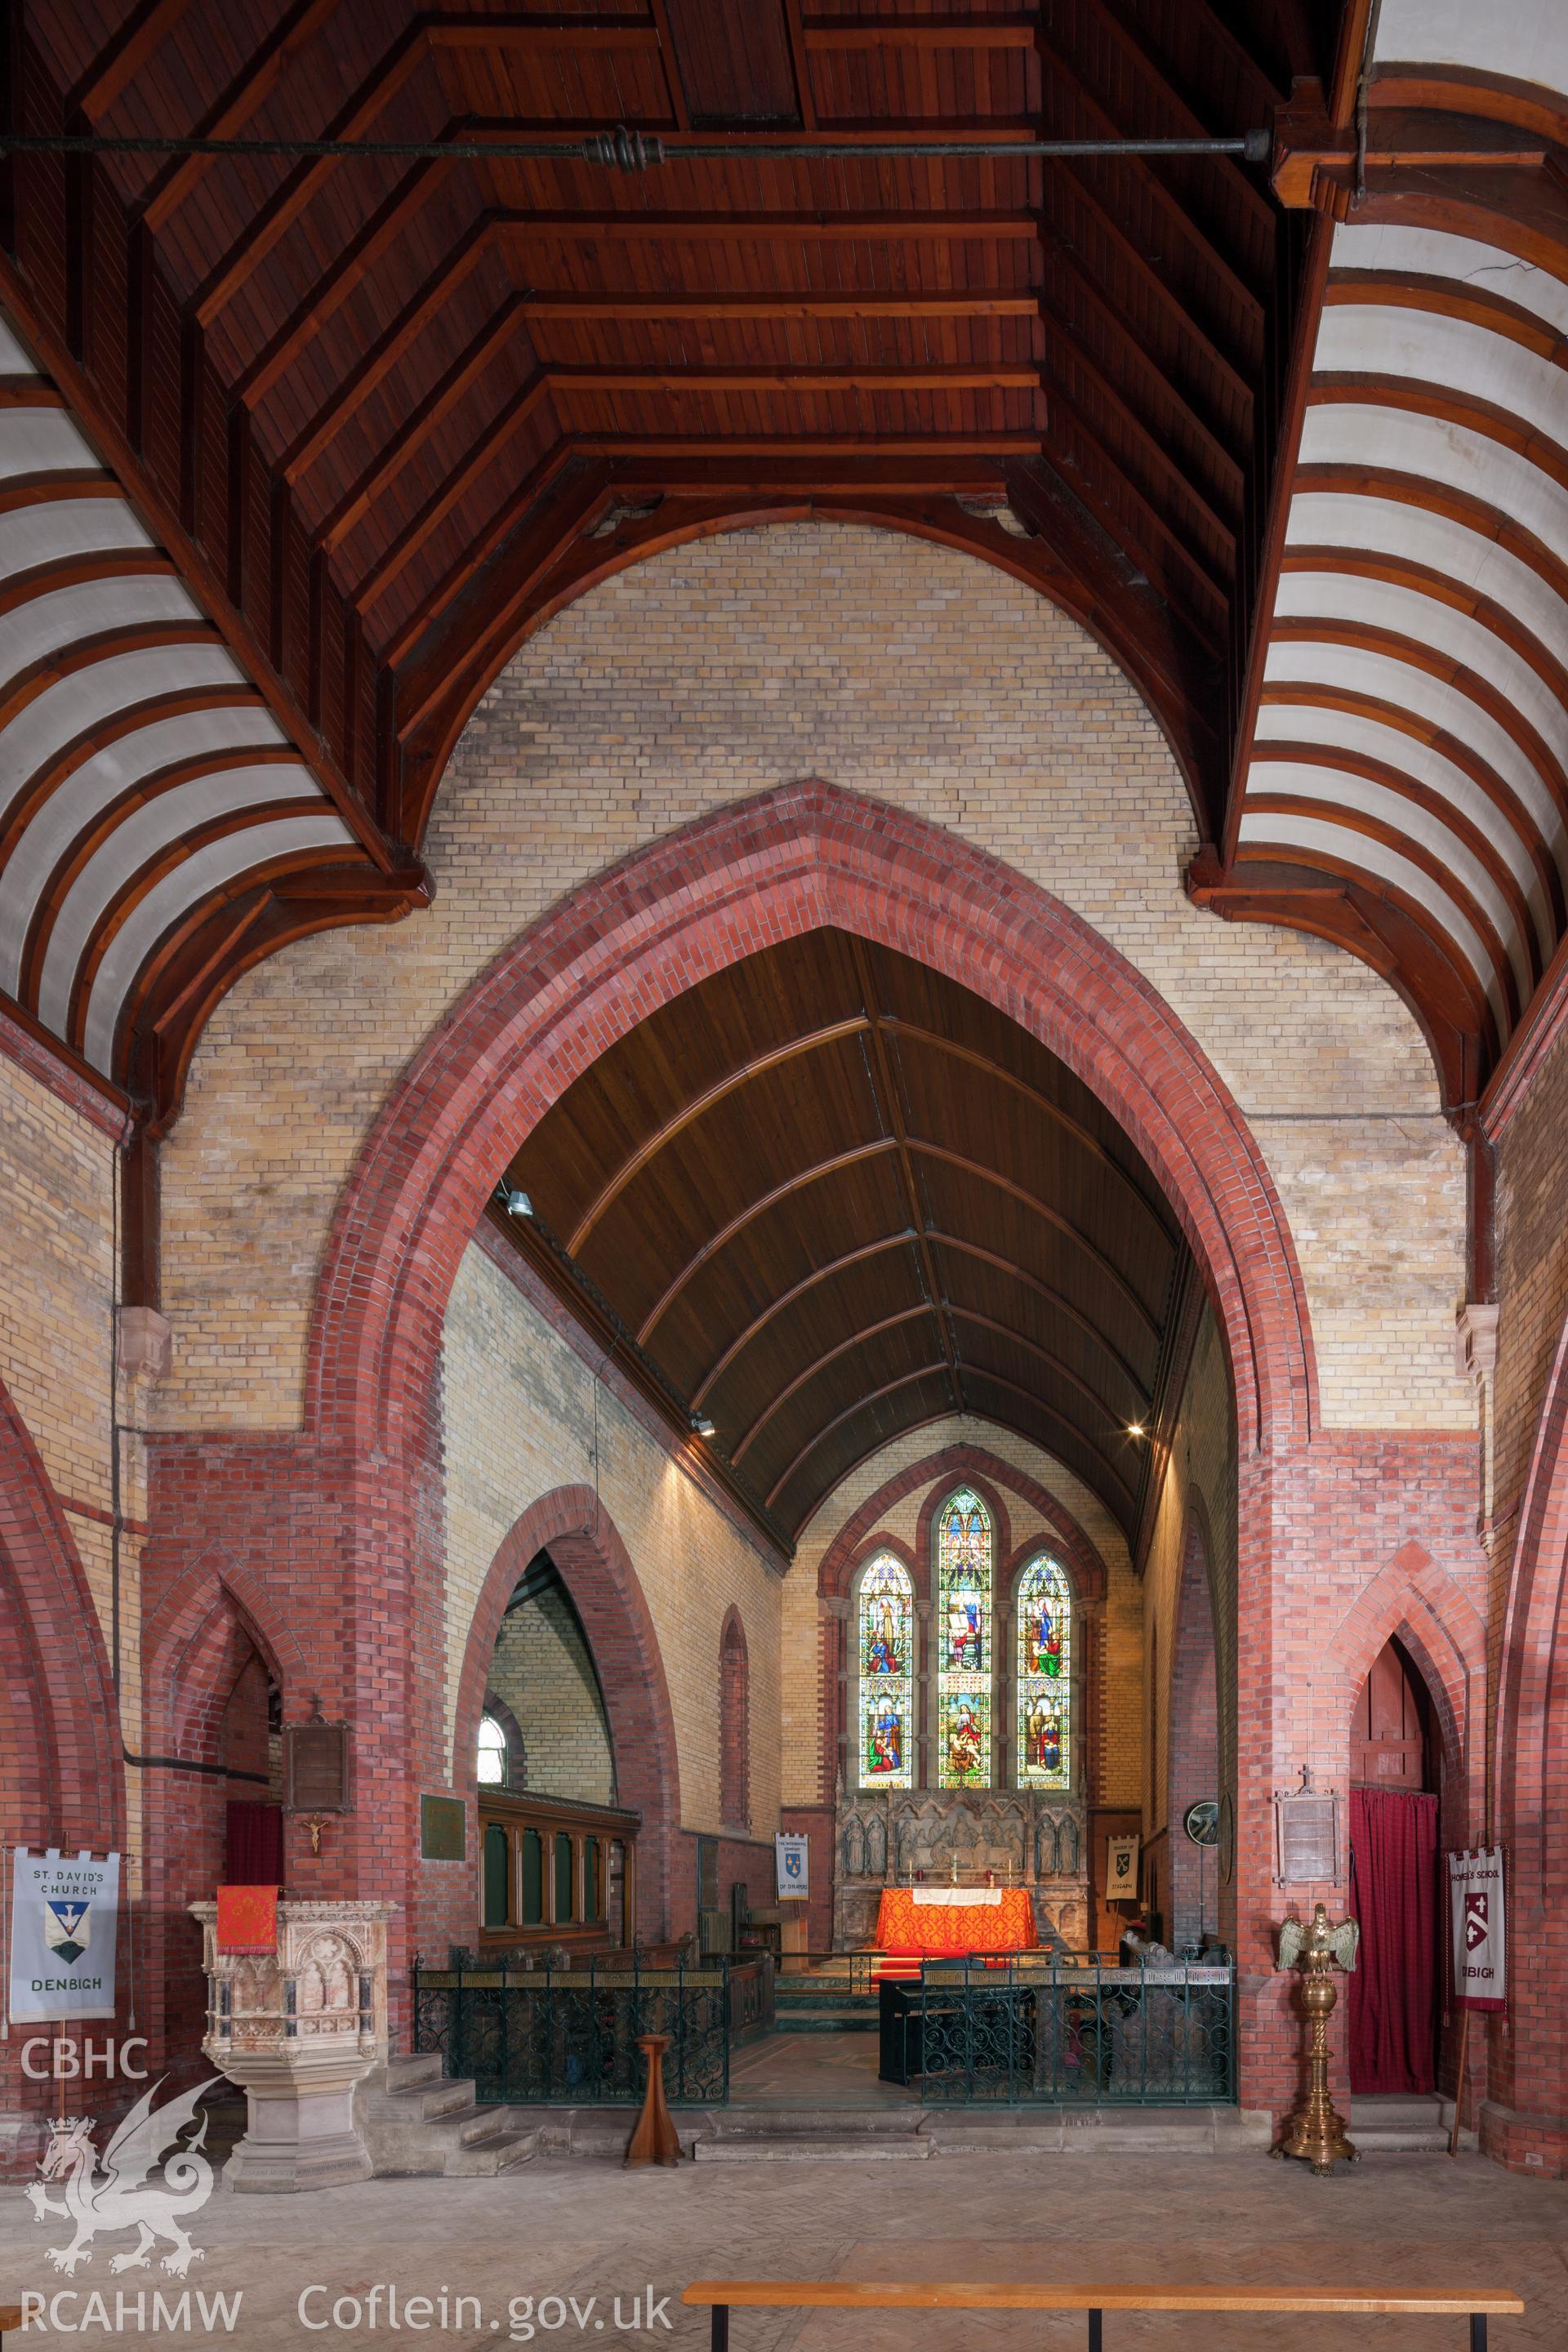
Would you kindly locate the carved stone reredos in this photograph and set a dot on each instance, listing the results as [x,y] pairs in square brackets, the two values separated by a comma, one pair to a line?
[1034,1839]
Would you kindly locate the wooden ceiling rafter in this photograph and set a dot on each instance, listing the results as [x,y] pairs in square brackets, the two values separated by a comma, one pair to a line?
[1056,1300]
[384,544]
[1404,571]
[887,1097]
[773,1058]
[1096,124]
[1397,646]
[937,1371]
[833,1164]
[1359,820]
[902,1239]
[1487,780]
[841,1348]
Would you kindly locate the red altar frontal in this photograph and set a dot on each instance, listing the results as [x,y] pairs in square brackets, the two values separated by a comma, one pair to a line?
[946,1922]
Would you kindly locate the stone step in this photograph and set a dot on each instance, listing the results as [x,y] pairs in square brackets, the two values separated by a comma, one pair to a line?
[814,2147]
[1097,2131]
[503,2148]
[796,2122]
[1393,2123]
[414,2070]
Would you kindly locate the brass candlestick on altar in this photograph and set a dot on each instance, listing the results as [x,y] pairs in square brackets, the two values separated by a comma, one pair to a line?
[1316,2133]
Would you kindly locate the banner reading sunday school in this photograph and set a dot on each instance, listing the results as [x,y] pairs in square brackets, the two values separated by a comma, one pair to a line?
[1476,1901]
[64,1915]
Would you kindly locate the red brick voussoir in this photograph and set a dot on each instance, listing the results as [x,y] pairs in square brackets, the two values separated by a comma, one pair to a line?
[746,878]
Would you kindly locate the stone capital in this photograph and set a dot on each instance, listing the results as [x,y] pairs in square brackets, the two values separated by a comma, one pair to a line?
[146,1343]
[1475,1341]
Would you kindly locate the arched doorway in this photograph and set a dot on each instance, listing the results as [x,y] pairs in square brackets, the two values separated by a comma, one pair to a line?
[1395,1808]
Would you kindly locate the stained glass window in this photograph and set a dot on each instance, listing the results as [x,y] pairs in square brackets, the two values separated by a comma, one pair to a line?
[963,1643]
[886,1621]
[1044,1677]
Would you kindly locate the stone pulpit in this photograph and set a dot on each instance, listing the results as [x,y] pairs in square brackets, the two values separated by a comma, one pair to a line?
[297,2028]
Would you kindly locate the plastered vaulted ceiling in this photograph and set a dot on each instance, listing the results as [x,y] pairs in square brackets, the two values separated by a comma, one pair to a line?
[295,448]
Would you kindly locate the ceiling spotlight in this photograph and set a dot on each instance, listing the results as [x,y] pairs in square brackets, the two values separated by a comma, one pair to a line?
[518,1204]
[1135,1429]
[702,1425]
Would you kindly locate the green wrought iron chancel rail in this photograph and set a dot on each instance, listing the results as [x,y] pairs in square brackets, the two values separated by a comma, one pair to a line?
[568,2036]
[1020,2033]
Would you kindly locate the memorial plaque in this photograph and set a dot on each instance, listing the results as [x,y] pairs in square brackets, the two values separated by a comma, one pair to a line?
[1306,1829]
[443,1829]
[316,1762]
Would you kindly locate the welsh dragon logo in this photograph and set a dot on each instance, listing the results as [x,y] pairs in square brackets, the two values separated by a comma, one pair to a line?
[122,2194]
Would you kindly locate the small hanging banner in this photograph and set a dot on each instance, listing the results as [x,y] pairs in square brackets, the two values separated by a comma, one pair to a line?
[1475,1895]
[791,1862]
[1121,1870]
[64,1917]
[248,1918]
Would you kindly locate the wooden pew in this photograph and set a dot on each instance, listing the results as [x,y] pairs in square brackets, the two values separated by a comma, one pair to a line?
[724,2296]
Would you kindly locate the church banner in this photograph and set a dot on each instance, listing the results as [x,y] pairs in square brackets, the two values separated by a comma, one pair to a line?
[64,1915]
[792,1863]
[1476,1899]
[1121,1870]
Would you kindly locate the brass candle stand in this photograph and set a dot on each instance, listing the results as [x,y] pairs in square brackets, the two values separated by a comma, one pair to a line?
[1316,2132]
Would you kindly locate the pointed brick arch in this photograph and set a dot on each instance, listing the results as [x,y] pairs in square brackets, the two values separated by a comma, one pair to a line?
[593,1562]
[787,862]
[1414,1599]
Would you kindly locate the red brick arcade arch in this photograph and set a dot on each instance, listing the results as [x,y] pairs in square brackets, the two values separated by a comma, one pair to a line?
[595,1566]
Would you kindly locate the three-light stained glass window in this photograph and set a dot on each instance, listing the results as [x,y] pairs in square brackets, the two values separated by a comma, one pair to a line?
[886,1621]
[963,1643]
[1043,1693]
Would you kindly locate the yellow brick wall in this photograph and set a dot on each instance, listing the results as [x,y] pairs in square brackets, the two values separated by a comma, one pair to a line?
[1121,1616]
[721,669]
[56,1301]
[1202,1461]
[522,1418]
[543,1670]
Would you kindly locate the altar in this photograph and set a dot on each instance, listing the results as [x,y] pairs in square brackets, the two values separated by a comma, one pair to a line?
[947,1922]
[1005,1868]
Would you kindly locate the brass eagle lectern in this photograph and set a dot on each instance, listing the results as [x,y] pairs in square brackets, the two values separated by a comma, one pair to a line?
[1316,2133]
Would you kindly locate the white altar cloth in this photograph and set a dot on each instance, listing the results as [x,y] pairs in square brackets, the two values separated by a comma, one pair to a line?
[956,1898]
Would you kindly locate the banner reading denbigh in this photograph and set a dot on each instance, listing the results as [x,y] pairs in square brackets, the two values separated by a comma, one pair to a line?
[1475,1895]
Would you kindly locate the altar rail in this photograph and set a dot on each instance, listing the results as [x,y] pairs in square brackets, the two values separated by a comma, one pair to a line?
[1019,2031]
[568,2036]
[722,2295]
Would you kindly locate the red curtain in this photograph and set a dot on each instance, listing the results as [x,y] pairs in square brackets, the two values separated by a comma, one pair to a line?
[1394,1894]
[253,1854]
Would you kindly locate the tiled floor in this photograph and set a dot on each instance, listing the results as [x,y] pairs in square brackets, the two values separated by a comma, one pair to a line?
[824,2070]
[591,2232]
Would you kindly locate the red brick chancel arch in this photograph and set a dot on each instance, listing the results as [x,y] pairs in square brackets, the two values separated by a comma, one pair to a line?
[768,869]
[633,939]
[595,1566]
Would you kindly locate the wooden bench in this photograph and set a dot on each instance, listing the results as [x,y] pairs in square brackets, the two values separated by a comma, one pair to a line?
[10,2318]
[724,2296]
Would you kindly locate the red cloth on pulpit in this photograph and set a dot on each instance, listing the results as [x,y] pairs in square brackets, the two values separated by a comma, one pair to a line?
[248,1918]
[937,1931]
